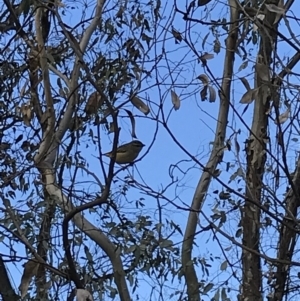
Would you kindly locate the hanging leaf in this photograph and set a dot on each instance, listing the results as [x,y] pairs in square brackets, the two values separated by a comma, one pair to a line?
[26,113]
[204,79]
[132,120]
[224,265]
[245,110]
[217,295]
[93,104]
[175,100]
[263,71]
[139,104]
[88,255]
[217,46]
[282,118]
[245,83]
[30,270]
[204,40]
[260,17]
[279,14]
[212,94]
[206,56]
[22,92]
[243,66]
[83,295]
[111,128]
[203,2]
[176,34]
[207,288]
[248,97]
[203,93]
[24,7]
[223,294]
[237,146]
[275,9]
[239,232]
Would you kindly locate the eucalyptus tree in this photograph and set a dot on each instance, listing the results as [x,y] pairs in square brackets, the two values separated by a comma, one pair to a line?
[78,79]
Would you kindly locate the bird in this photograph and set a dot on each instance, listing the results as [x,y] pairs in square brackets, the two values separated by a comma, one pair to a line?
[126,153]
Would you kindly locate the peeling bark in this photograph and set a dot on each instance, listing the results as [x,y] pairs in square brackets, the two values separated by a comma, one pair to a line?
[256,158]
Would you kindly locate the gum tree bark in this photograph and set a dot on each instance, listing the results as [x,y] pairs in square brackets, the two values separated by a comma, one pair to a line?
[215,157]
[256,149]
[46,155]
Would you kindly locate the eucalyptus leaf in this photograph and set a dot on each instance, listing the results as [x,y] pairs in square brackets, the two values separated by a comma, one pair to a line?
[282,118]
[175,100]
[245,83]
[212,94]
[248,97]
[139,104]
[132,120]
[263,71]
[204,79]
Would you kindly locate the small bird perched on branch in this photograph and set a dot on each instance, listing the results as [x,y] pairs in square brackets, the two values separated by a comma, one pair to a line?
[127,153]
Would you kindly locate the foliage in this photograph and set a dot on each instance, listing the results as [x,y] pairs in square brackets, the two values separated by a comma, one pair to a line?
[79,78]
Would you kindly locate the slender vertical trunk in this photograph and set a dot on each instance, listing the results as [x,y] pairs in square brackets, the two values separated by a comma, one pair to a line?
[256,159]
[215,157]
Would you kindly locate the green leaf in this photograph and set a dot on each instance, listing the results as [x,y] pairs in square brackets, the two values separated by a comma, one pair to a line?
[130,249]
[224,265]
[217,295]
[207,288]
[88,255]
[239,232]
[224,195]
[217,46]
[25,7]
[166,243]
[224,295]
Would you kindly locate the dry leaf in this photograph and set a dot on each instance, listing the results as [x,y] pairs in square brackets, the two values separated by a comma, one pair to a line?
[245,83]
[217,46]
[248,97]
[212,94]
[111,128]
[175,100]
[204,40]
[204,79]
[275,9]
[30,270]
[203,93]
[132,120]
[263,71]
[139,104]
[176,34]
[282,118]
[83,295]
[26,113]
[279,14]
[94,103]
[260,17]
[22,92]
[206,56]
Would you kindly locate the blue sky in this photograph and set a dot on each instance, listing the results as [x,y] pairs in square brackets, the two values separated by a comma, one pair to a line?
[193,126]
